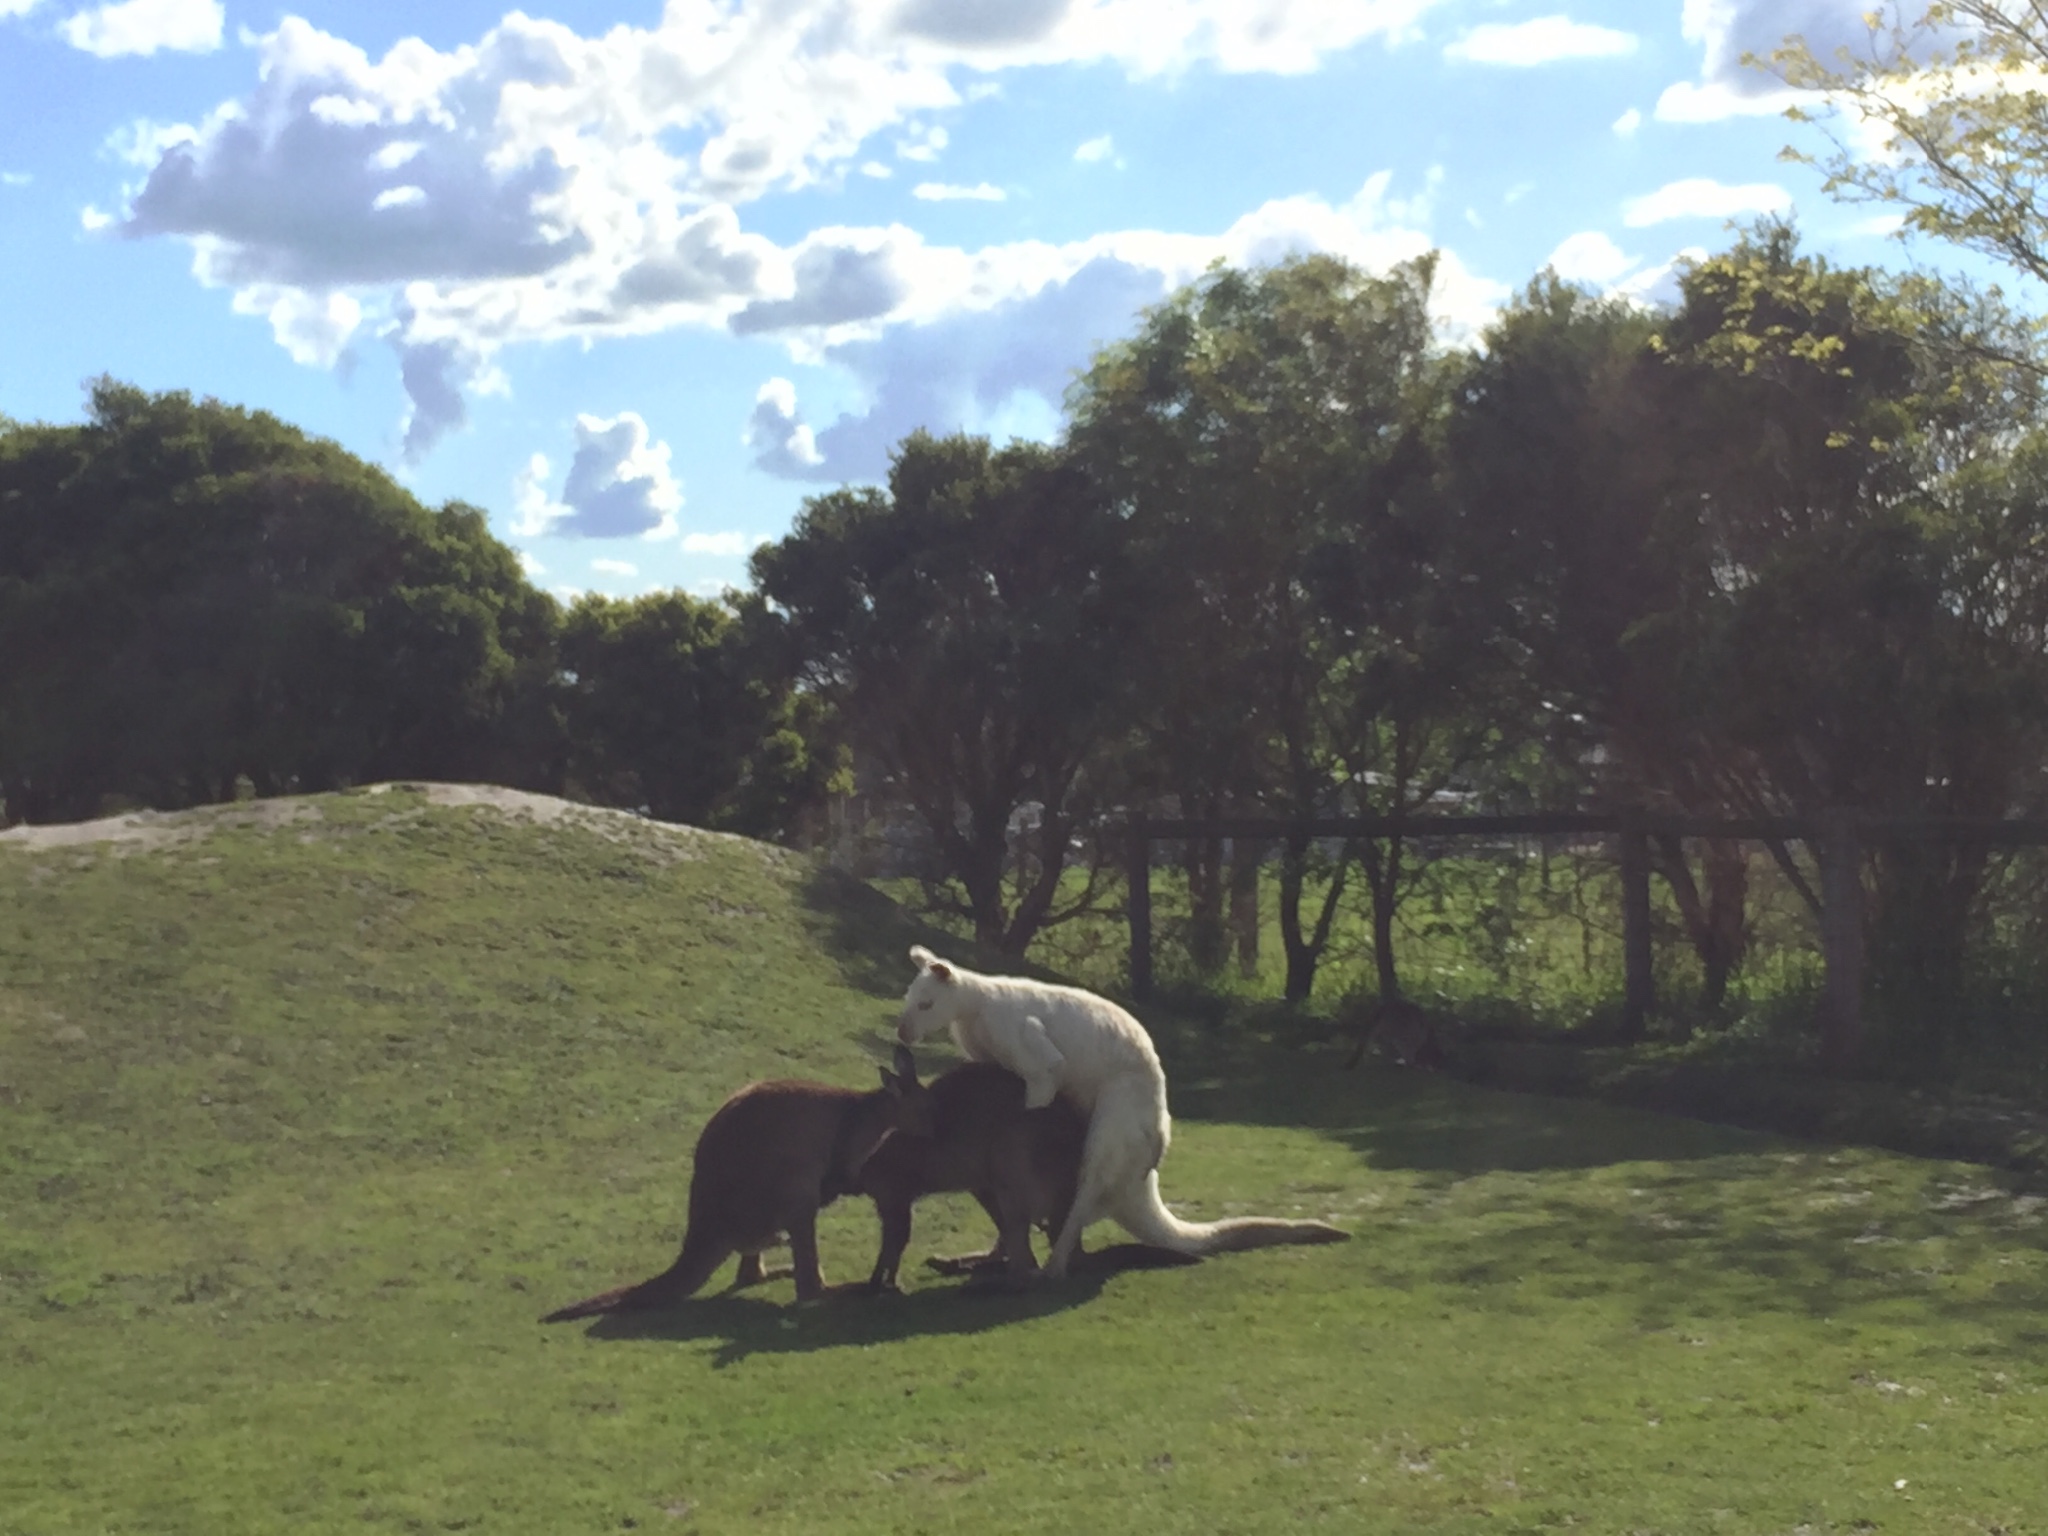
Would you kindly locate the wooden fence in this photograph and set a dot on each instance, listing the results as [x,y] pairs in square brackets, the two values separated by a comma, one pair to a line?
[1836,841]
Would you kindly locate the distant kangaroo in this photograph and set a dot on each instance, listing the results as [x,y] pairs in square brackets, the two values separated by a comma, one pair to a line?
[1401,1029]
[768,1160]
[1022,1165]
[1075,1045]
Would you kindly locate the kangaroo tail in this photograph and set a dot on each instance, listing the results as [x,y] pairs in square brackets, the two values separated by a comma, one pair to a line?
[1145,1216]
[693,1266]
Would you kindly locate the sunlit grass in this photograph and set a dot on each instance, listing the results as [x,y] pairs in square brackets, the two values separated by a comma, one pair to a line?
[301,1129]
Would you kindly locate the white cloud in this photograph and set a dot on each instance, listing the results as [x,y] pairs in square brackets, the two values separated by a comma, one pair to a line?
[1717,101]
[618,486]
[924,145]
[144,26]
[1099,148]
[1728,30]
[781,443]
[995,336]
[1590,257]
[313,327]
[534,511]
[836,277]
[944,192]
[1150,37]
[538,184]
[1698,197]
[1543,40]
[529,562]
[1658,286]
[15,178]
[16,7]
[1625,126]
[615,567]
[434,373]
[729,545]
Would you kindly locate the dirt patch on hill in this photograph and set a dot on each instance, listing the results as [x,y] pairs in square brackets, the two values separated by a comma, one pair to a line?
[141,831]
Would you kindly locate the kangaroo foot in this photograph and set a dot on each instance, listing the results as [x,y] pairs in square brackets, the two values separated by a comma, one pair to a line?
[964,1264]
[1005,1282]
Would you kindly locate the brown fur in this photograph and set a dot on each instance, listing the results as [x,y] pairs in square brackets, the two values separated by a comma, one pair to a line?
[1400,1029]
[768,1160]
[1022,1165]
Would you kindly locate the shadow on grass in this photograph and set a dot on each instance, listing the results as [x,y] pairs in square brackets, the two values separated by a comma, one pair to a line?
[1711,1243]
[755,1325]
[1394,1117]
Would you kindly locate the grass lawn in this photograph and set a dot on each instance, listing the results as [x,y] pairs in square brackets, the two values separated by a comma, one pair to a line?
[304,1122]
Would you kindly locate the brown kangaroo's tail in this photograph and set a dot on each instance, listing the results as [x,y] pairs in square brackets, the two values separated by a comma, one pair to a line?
[693,1266]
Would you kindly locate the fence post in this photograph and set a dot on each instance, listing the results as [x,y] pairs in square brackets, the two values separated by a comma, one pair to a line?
[1138,907]
[1639,987]
[1841,937]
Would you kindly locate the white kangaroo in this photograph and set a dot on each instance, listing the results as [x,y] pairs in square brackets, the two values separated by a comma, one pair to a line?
[1062,1040]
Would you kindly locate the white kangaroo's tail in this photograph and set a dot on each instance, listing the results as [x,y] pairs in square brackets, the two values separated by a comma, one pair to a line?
[1145,1216]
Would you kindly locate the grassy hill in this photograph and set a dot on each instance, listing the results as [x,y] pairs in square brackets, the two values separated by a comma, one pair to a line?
[308,1109]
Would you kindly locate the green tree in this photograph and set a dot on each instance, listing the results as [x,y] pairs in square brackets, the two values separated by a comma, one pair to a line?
[674,704]
[1942,116]
[1268,437]
[1566,457]
[1859,470]
[968,624]
[192,593]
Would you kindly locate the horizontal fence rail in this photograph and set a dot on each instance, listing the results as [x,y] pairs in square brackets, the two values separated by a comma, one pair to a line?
[2012,832]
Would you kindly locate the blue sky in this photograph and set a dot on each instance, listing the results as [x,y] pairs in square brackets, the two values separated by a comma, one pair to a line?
[637,278]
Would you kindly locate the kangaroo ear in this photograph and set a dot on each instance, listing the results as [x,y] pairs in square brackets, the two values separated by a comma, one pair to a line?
[922,956]
[891,1083]
[941,971]
[906,1066]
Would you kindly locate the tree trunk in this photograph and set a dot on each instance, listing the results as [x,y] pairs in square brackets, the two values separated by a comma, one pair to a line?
[1727,869]
[1716,927]
[1208,941]
[1383,876]
[1841,924]
[1305,951]
[1301,962]
[1247,858]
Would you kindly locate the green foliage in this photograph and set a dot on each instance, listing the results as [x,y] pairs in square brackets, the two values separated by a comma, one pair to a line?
[1314,635]
[1950,123]
[302,1127]
[676,706]
[192,592]
[969,626]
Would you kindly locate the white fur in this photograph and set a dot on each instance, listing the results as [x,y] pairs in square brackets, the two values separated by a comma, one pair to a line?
[1064,1041]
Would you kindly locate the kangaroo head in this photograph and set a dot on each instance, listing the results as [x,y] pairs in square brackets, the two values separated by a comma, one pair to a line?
[910,1102]
[933,1000]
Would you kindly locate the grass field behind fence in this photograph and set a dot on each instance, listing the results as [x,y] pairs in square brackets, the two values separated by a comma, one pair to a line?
[1523,936]
[303,1124]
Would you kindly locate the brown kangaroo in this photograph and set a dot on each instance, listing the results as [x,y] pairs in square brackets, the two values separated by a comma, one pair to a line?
[769,1159]
[1022,1165]
[1403,1030]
